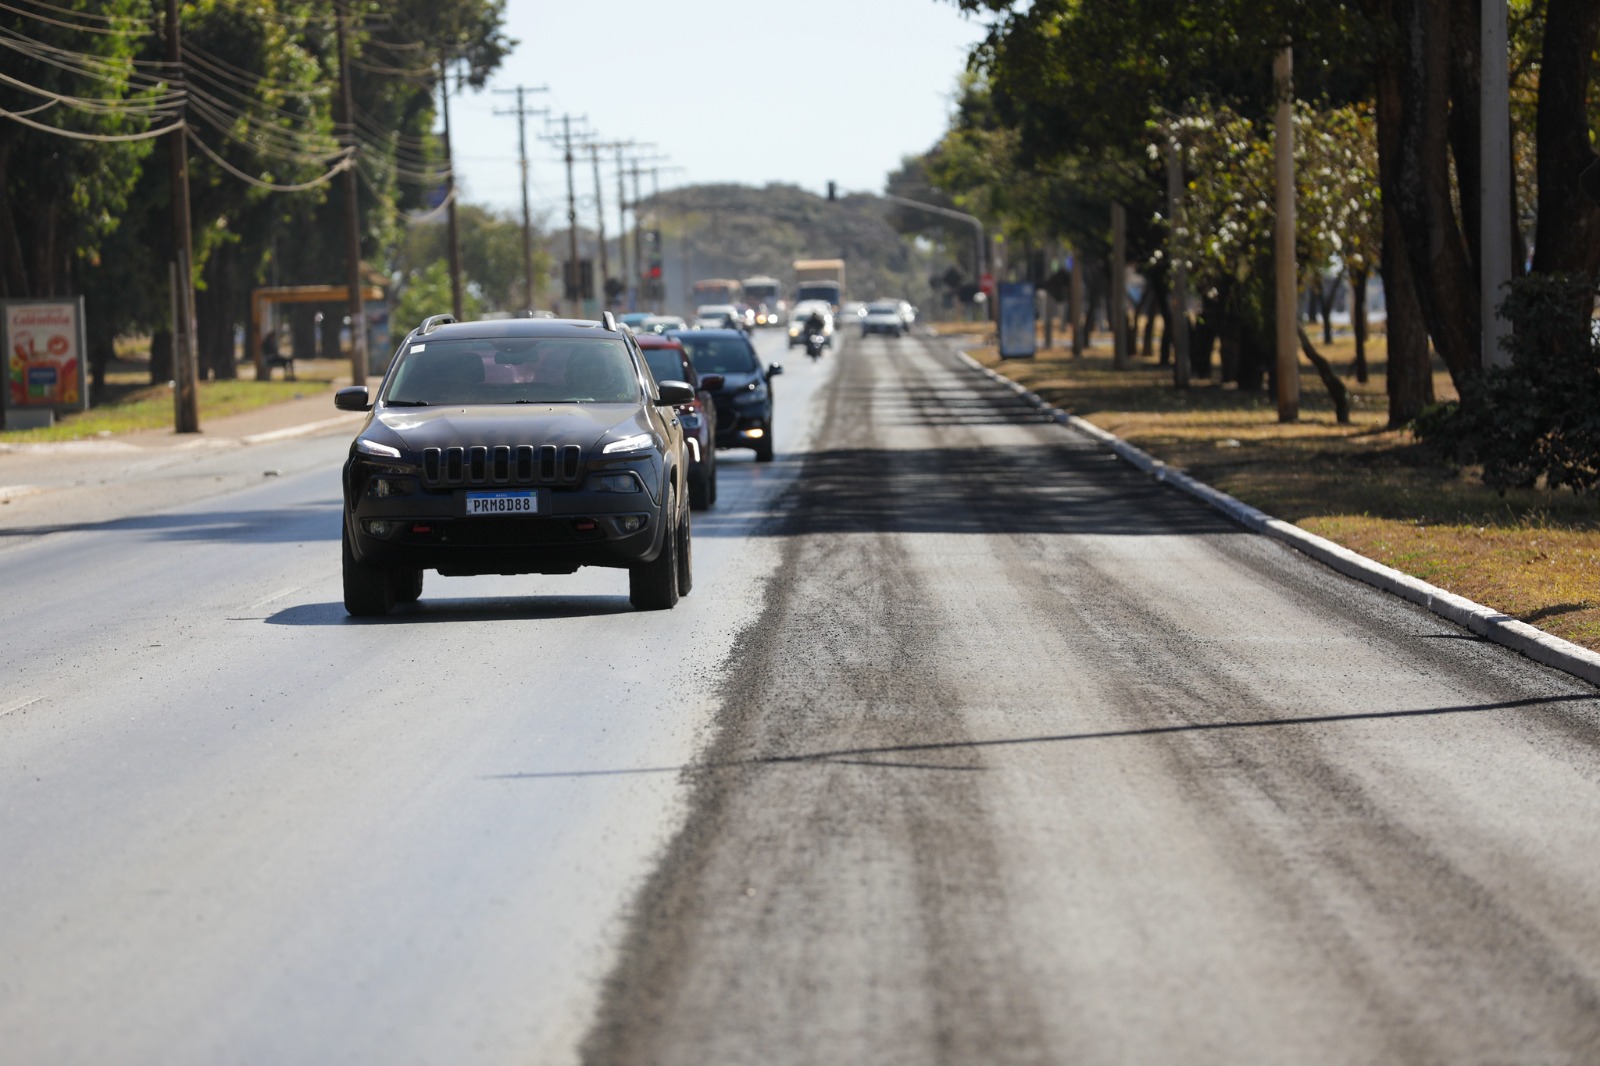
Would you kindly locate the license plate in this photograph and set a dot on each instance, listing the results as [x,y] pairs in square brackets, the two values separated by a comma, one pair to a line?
[502,503]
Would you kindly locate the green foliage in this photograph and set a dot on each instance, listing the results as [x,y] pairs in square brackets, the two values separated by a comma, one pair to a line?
[1539,418]
[429,294]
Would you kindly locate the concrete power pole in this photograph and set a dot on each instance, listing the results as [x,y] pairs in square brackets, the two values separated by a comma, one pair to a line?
[529,283]
[1178,314]
[352,212]
[185,357]
[1494,169]
[1287,303]
[454,230]
[1119,286]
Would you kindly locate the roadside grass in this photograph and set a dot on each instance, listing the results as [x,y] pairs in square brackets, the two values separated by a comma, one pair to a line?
[1534,555]
[129,403]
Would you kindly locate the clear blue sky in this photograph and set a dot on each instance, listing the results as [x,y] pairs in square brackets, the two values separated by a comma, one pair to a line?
[732,92]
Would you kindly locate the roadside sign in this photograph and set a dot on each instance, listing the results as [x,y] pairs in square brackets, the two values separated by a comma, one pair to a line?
[46,362]
[1016,319]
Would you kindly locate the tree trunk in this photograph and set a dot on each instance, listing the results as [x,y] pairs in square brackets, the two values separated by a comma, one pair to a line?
[1408,379]
[1568,234]
[1446,281]
[160,356]
[1328,297]
[1336,390]
[214,308]
[1358,321]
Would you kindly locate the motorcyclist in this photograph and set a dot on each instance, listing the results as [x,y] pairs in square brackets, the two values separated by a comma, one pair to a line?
[815,323]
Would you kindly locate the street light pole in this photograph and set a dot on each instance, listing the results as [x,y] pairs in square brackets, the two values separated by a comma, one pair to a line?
[1494,169]
[979,244]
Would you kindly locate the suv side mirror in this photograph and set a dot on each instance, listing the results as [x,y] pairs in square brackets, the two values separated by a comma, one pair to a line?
[672,393]
[712,382]
[353,398]
[774,370]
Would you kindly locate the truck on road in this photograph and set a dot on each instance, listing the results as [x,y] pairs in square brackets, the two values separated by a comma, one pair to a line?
[819,279]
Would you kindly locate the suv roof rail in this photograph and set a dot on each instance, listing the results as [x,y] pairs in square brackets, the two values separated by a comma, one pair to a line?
[433,322]
[608,320]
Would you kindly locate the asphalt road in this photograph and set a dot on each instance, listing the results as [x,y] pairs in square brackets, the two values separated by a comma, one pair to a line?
[970,746]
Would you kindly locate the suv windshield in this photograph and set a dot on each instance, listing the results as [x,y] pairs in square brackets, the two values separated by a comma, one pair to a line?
[719,355]
[494,370]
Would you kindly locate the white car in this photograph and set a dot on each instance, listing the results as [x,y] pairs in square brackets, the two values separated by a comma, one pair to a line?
[883,316]
[802,312]
[718,316]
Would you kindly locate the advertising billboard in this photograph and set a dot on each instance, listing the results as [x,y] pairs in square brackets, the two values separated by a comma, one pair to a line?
[1016,320]
[45,358]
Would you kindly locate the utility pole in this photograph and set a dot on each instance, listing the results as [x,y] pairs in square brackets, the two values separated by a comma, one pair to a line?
[186,369]
[572,277]
[600,228]
[1119,286]
[1286,305]
[622,226]
[454,229]
[352,212]
[1178,313]
[1494,169]
[530,286]
[638,252]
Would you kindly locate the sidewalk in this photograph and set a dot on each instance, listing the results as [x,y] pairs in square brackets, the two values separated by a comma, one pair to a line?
[306,415]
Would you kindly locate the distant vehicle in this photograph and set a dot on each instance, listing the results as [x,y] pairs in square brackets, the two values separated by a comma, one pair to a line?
[820,279]
[764,296]
[661,324]
[908,313]
[669,361]
[883,316]
[718,316]
[718,291]
[523,446]
[633,319]
[852,309]
[797,322]
[744,403]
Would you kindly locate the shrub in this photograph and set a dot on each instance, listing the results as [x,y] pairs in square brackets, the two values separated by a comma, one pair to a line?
[1540,416]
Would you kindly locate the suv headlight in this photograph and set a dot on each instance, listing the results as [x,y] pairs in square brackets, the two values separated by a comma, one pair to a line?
[639,442]
[372,447]
[612,483]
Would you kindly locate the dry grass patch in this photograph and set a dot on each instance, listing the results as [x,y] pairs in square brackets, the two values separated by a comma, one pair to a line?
[1532,555]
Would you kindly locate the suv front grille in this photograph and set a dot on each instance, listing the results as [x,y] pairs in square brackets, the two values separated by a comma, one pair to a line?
[502,465]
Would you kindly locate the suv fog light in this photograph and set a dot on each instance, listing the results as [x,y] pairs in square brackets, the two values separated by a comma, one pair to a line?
[754,434]
[379,527]
[631,523]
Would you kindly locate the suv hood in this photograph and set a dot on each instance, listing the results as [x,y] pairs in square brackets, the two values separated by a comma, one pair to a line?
[558,424]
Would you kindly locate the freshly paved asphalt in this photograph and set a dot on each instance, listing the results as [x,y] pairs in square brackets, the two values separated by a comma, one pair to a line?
[971,745]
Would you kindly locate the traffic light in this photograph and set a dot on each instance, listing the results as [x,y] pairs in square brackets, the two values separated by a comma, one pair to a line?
[613,289]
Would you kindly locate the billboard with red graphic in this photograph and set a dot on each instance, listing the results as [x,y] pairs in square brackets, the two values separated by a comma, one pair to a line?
[45,359]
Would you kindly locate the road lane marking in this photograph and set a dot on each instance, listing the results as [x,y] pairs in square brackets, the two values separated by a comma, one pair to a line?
[280,594]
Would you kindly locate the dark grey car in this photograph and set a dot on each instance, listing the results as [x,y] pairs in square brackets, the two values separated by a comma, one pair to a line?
[520,446]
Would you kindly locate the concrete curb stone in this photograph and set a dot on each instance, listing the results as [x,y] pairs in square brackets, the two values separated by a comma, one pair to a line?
[1528,640]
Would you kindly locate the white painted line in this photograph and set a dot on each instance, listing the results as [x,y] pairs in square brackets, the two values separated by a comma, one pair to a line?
[1535,643]
[20,705]
[280,594]
[301,431]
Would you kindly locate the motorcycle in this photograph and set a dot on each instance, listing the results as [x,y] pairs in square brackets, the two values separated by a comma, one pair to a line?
[815,342]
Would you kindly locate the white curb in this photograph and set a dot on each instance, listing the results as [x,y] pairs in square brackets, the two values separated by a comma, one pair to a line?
[1535,643]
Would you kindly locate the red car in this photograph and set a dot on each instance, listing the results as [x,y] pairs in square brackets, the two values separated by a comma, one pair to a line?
[669,362]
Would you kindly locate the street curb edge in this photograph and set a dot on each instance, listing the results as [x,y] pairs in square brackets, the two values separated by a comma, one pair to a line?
[1528,640]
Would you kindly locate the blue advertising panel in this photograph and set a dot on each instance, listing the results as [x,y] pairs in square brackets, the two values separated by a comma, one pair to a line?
[1016,320]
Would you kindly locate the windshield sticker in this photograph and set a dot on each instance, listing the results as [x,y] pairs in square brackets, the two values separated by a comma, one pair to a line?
[415,348]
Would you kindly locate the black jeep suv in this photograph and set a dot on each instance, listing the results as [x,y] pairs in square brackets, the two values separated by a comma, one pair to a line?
[520,446]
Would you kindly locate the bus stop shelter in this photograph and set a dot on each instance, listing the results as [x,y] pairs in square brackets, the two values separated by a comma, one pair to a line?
[262,301]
